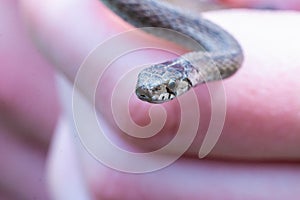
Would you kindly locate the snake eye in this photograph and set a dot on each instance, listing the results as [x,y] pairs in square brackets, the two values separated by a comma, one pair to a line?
[171,84]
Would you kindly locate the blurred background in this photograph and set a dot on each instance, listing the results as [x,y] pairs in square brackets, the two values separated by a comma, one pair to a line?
[29,106]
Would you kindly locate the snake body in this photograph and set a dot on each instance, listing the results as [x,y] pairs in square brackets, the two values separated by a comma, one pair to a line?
[221,58]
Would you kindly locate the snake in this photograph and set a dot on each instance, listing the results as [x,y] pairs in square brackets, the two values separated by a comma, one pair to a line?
[220,55]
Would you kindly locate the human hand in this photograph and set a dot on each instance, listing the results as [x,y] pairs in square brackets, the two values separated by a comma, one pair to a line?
[257,127]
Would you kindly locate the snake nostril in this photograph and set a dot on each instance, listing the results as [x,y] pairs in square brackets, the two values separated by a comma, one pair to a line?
[142,95]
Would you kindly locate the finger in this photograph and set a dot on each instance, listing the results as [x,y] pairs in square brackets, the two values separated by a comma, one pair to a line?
[186,178]
[261,112]
[42,20]
[194,179]
[245,128]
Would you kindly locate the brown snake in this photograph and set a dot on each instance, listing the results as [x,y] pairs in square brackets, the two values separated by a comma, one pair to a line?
[221,58]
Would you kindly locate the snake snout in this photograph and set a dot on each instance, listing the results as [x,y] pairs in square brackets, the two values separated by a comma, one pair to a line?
[143,94]
[159,94]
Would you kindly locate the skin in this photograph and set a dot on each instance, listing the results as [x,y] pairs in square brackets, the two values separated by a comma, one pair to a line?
[265,130]
[271,4]
[29,109]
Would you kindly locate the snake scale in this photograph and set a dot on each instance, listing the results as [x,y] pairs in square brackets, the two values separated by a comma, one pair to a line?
[222,55]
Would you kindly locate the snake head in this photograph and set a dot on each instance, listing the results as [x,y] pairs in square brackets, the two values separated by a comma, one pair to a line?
[161,83]
[155,94]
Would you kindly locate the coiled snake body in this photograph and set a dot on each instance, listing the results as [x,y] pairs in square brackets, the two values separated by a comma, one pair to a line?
[221,58]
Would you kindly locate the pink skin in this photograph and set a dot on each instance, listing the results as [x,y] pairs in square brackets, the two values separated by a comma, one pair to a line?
[261,120]
[277,4]
[29,110]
